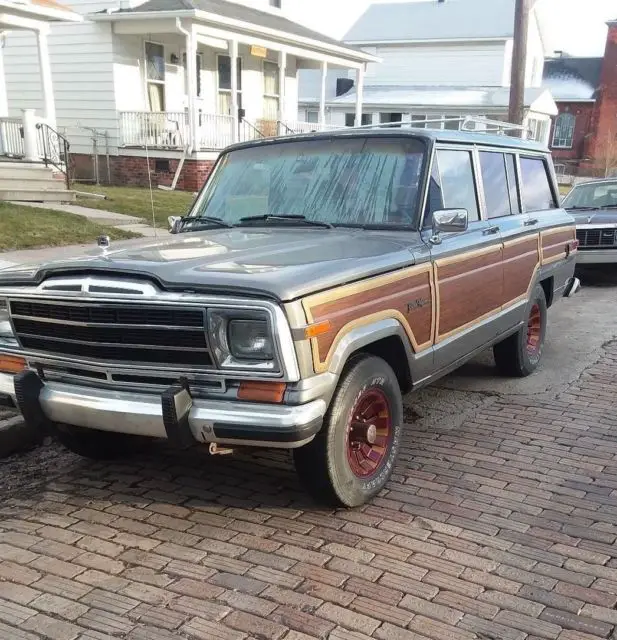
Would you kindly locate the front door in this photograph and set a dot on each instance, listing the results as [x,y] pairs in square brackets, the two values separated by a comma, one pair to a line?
[468,266]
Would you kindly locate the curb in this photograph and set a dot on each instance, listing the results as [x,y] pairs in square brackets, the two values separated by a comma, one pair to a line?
[16,436]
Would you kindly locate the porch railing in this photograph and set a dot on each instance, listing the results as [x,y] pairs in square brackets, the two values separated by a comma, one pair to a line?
[55,150]
[159,129]
[288,127]
[215,131]
[12,138]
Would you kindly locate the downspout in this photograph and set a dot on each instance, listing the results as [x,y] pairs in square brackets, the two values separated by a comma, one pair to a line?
[190,80]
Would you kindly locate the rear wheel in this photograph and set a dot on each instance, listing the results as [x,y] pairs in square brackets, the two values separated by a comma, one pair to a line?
[352,457]
[521,354]
[98,445]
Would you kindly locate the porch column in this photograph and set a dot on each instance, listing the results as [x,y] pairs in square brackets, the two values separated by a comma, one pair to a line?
[191,72]
[282,91]
[4,102]
[30,136]
[359,95]
[322,97]
[233,54]
[45,67]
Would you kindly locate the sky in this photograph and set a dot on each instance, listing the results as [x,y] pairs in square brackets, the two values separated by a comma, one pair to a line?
[575,26]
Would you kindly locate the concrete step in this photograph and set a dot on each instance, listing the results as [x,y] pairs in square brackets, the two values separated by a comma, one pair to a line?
[28,183]
[16,171]
[37,195]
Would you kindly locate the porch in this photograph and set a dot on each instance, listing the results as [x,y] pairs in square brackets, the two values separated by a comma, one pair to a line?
[198,81]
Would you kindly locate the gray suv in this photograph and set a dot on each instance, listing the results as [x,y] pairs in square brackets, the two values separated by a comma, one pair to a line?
[316,280]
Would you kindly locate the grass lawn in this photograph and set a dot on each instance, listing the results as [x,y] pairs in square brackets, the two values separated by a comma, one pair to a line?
[564,189]
[24,227]
[135,201]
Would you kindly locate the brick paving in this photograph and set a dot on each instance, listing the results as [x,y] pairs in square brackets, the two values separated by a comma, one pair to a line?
[502,529]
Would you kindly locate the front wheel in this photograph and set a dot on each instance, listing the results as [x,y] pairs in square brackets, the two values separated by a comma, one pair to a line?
[521,354]
[352,457]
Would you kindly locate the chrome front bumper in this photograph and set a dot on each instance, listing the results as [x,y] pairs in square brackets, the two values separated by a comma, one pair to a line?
[596,256]
[209,421]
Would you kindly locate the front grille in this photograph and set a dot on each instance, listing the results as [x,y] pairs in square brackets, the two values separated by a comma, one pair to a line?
[113,332]
[597,238]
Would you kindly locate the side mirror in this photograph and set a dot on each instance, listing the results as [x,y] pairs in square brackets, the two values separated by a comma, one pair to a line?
[173,223]
[449,221]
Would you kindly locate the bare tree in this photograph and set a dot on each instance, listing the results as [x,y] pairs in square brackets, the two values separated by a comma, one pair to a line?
[606,160]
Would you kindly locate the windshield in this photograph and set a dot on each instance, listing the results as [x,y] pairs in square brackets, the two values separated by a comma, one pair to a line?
[595,196]
[350,181]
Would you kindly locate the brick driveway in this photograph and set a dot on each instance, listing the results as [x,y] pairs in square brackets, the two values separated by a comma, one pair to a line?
[502,529]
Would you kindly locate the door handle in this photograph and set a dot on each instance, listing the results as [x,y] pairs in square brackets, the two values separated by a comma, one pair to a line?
[490,231]
[531,223]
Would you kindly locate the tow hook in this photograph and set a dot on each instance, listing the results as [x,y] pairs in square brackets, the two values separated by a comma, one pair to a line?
[215,450]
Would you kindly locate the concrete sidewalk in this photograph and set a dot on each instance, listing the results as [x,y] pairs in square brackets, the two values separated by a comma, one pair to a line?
[99,216]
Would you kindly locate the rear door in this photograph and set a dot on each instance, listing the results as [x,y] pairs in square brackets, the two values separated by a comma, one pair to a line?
[519,232]
[468,267]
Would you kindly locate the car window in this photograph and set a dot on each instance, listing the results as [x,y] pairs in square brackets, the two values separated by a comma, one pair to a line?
[603,194]
[457,182]
[535,185]
[434,201]
[495,182]
[515,199]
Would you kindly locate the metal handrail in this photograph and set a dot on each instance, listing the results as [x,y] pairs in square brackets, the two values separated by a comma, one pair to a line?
[56,150]
[284,126]
[253,127]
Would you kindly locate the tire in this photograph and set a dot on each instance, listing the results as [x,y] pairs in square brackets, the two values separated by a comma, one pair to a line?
[338,466]
[521,354]
[98,445]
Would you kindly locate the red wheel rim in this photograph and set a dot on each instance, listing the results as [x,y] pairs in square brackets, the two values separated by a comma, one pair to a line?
[369,433]
[534,329]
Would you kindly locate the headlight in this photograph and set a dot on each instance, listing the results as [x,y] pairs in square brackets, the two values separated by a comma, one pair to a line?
[7,337]
[242,339]
[250,340]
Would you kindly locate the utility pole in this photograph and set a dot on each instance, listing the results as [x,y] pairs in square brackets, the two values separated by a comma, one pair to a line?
[516,114]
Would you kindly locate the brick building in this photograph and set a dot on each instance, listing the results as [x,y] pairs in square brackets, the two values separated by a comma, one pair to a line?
[584,134]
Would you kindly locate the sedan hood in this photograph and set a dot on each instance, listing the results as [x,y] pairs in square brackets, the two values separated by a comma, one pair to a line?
[594,216]
[283,264]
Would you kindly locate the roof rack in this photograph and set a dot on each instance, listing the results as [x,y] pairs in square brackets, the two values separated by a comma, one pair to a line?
[466,123]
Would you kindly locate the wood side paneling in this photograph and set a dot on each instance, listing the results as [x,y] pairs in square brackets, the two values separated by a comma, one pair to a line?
[407,295]
[554,242]
[521,258]
[469,288]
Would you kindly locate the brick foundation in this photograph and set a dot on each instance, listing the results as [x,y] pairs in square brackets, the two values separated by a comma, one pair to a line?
[133,171]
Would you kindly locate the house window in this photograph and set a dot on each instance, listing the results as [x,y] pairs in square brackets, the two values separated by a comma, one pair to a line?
[452,123]
[198,68]
[224,84]
[389,118]
[563,138]
[272,91]
[275,3]
[418,121]
[350,119]
[312,117]
[155,76]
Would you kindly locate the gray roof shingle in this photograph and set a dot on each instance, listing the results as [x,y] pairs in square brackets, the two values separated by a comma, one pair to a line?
[433,20]
[235,11]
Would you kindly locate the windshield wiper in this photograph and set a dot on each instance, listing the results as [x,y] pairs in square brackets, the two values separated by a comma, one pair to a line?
[285,218]
[203,220]
[609,206]
[580,208]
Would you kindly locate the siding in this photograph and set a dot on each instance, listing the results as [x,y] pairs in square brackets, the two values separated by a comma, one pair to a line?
[81,62]
[467,64]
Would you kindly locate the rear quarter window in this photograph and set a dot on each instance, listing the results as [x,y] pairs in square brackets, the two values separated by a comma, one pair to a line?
[536,185]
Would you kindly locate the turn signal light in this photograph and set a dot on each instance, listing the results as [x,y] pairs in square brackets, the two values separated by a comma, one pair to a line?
[317,329]
[11,364]
[262,391]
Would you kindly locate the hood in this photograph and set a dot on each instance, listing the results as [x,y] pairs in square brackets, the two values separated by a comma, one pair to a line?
[283,264]
[594,216]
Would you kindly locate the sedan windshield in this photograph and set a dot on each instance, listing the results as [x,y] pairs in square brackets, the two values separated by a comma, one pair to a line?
[364,182]
[592,196]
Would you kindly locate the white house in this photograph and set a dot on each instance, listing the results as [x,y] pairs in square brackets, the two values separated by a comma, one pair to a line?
[440,59]
[28,135]
[153,79]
